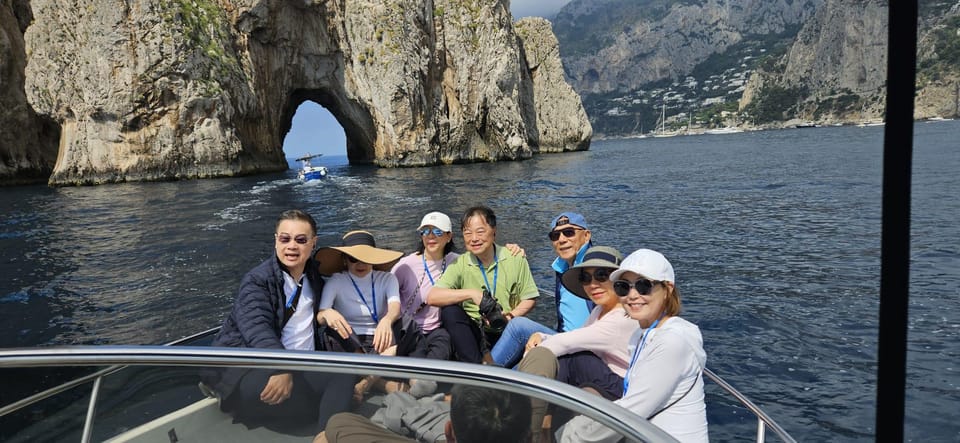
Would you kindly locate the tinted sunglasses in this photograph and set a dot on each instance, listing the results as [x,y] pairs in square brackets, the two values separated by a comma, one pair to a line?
[300,239]
[427,231]
[643,286]
[352,259]
[600,275]
[567,232]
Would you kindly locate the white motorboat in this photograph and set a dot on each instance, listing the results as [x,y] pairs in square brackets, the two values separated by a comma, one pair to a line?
[151,393]
[309,172]
[724,130]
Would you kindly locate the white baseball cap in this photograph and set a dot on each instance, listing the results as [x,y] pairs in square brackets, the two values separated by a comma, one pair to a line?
[647,263]
[437,219]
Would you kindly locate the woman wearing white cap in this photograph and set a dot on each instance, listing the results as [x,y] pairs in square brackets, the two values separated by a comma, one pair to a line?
[416,274]
[664,381]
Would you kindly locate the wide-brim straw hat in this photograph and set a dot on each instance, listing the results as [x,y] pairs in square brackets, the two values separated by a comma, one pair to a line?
[595,257]
[360,245]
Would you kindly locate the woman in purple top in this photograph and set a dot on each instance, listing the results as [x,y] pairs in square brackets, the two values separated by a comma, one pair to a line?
[417,273]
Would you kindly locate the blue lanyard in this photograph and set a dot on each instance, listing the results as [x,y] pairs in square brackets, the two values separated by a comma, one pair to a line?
[373,291]
[496,270]
[636,354]
[426,270]
[295,294]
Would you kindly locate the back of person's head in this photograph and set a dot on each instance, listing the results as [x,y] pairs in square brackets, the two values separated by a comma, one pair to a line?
[481,415]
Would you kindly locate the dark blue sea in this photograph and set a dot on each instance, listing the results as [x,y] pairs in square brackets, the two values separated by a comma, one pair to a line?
[775,237]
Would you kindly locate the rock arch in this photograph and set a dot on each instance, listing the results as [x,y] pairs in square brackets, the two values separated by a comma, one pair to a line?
[176,89]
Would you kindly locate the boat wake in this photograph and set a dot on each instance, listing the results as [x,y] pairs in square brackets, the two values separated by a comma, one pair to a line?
[250,199]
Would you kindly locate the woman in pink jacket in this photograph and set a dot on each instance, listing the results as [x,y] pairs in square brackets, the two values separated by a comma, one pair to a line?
[594,356]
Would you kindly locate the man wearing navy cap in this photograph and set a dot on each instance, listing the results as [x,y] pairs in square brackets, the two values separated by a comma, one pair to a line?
[570,237]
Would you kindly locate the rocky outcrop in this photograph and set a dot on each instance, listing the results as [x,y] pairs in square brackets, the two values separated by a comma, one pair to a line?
[842,50]
[173,89]
[28,142]
[622,45]
[560,118]
[837,65]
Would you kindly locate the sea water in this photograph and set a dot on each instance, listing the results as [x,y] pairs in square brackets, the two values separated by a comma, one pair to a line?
[775,238]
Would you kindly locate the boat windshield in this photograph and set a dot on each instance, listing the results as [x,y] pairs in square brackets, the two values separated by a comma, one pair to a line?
[153,393]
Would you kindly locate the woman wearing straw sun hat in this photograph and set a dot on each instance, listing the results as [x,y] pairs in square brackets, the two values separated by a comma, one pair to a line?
[361,298]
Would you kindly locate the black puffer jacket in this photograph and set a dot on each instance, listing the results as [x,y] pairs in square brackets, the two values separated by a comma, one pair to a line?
[257,314]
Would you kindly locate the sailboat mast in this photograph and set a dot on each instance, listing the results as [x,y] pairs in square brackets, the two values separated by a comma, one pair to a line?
[663,118]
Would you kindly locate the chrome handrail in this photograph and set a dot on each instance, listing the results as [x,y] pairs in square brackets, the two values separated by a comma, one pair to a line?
[762,417]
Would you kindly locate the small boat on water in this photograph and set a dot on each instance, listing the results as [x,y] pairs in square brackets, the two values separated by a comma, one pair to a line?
[724,130]
[309,172]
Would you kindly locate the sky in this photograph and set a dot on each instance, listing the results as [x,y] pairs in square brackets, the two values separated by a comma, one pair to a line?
[315,131]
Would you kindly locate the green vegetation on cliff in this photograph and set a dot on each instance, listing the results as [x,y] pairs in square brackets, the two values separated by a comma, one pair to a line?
[597,28]
[944,56]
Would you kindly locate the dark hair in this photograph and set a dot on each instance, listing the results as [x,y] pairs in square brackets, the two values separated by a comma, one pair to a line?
[480,415]
[482,211]
[296,214]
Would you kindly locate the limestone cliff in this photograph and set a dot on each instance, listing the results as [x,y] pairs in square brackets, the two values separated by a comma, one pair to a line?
[28,142]
[622,45]
[559,111]
[169,89]
[836,69]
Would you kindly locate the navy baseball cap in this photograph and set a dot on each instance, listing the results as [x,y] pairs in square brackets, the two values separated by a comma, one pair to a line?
[569,218]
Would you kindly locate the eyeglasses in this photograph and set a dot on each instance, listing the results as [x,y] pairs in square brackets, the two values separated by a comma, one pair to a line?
[567,232]
[300,239]
[427,231]
[600,275]
[643,286]
[353,259]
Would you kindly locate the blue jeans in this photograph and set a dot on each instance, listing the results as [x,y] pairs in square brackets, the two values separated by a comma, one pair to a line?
[509,349]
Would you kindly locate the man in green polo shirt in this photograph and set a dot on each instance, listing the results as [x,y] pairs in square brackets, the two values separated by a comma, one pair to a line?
[485,267]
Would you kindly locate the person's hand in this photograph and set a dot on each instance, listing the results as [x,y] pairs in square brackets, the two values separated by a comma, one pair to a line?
[476,295]
[383,335]
[335,321]
[515,249]
[534,341]
[278,389]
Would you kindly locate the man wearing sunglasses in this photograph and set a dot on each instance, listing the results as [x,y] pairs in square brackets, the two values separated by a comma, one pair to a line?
[275,309]
[570,237]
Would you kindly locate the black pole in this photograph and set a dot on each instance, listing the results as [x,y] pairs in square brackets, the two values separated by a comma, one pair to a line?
[895,240]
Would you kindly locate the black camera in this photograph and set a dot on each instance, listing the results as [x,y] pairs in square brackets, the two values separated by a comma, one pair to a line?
[491,311]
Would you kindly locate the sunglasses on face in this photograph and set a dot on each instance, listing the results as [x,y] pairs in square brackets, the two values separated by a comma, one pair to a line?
[643,287]
[300,239]
[427,231]
[600,275]
[567,232]
[352,259]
